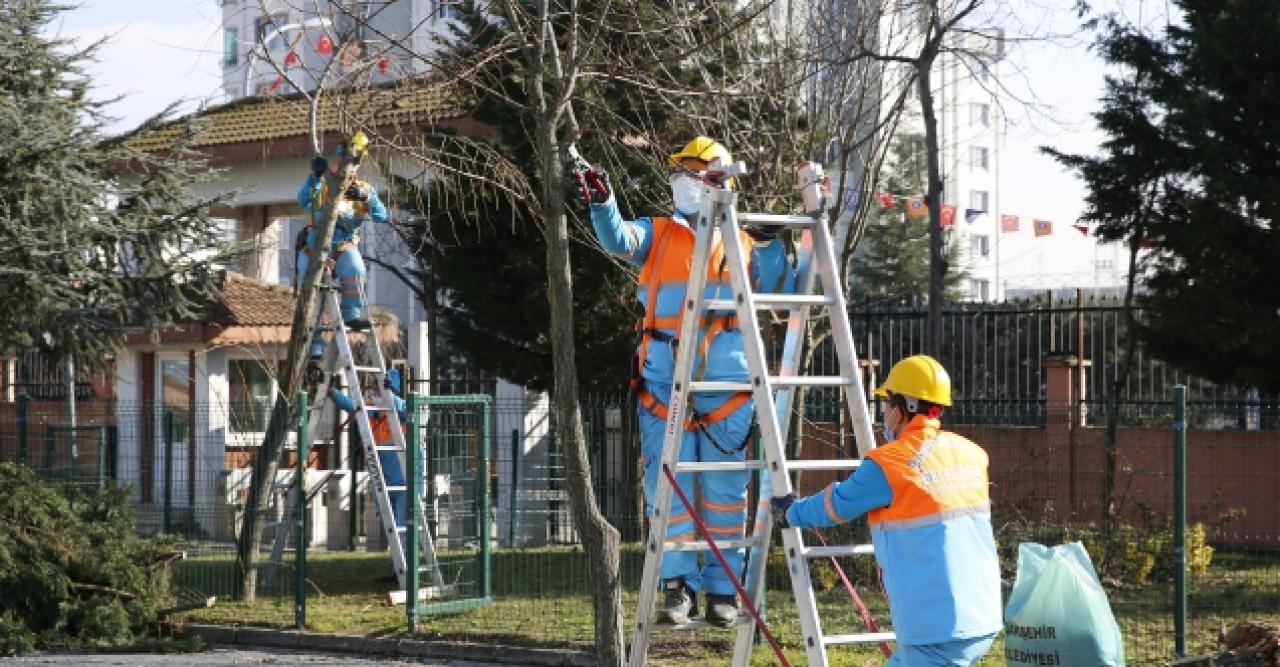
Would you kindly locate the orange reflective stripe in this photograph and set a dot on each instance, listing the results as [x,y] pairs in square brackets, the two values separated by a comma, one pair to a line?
[725,531]
[659,409]
[707,505]
[683,536]
[678,517]
[829,502]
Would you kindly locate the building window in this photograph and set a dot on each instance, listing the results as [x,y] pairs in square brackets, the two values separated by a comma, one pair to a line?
[979,290]
[978,200]
[267,24]
[250,392]
[448,9]
[231,47]
[979,246]
[979,114]
[979,68]
[979,158]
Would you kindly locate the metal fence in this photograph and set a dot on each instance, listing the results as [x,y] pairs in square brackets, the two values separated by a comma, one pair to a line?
[1048,472]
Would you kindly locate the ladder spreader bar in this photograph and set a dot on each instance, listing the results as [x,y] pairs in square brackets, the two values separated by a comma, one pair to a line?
[699,545]
[864,638]
[838,551]
[746,219]
[771,301]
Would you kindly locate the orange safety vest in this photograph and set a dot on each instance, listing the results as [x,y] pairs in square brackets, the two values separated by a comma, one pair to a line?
[935,475]
[669,261]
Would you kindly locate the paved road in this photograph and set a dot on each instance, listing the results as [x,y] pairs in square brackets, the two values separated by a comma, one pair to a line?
[220,657]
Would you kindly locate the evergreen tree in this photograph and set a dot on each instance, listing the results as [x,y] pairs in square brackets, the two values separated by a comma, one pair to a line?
[891,265]
[1190,165]
[97,237]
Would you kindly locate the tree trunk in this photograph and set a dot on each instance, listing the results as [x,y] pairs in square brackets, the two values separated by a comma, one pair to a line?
[599,539]
[268,459]
[933,198]
[1113,406]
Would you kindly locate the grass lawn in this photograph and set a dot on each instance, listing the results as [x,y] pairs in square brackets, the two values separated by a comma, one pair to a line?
[540,599]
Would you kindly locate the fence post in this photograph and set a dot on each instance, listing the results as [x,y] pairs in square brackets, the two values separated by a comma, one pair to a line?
[23,400]
[50,444]
[300,485]
[515,487]
[482,509]
[414,465]
[168,468]
[354,514]
[1180,520]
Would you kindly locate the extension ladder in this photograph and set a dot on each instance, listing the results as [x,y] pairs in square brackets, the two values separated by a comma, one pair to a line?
[773,400]
[339,358]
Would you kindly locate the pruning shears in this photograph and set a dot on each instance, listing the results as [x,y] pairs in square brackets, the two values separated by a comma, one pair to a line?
[592,184]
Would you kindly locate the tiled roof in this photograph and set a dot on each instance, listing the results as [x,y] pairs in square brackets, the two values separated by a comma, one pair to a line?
[252,302]
[258,119]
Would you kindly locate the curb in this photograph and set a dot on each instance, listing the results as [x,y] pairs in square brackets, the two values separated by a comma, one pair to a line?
[383,646]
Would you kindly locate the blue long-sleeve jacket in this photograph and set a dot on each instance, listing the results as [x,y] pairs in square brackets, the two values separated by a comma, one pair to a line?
[351,214]
[344,402]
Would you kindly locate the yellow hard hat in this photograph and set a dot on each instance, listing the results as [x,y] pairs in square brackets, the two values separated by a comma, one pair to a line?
[919,376]
[701,148]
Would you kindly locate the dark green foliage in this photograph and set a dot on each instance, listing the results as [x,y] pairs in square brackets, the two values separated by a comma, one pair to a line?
[95,236]
[891,265]
[1190,168]
[71,565]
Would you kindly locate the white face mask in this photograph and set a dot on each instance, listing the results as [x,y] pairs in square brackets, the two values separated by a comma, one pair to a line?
[686,193]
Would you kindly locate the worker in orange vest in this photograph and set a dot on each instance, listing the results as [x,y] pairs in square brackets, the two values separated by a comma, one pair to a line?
[925,496]
[720,428]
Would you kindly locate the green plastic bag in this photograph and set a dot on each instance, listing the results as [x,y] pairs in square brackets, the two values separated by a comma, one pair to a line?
[1058,613]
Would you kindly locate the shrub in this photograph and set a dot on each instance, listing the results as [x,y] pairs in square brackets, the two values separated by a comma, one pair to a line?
[71,567]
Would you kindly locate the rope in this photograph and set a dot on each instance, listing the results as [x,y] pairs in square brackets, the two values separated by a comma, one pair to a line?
[862,608]
[733,578]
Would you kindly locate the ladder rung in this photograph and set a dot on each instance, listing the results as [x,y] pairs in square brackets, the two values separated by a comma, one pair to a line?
[385,448]
[834,464]
[719,466]
[809,381]
[864,638]
[368,369]
[770,301]
[775,219]
[399,487]
[838,551]
[777,381]
[702,546]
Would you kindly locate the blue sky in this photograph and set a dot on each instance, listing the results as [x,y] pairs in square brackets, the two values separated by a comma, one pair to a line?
[161,51]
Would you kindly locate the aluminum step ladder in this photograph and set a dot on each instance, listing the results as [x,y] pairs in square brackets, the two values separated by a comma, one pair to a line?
[339,358]
[773,400]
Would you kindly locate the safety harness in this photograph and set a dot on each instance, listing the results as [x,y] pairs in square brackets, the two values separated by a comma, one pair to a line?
[652,327]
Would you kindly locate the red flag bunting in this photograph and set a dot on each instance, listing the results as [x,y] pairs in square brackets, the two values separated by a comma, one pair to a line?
[275,85]
[1042,227]
[291,58]
[1008,223]
[1083,229]
[948,215]
[324,45]
[886,199]
[383,64]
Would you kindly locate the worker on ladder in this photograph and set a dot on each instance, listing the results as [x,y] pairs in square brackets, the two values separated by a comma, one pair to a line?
[720,428]
[359,201]
[925,497]
[390,460]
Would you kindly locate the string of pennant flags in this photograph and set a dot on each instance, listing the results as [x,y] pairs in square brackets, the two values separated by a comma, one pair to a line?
[916,208]
[347,54]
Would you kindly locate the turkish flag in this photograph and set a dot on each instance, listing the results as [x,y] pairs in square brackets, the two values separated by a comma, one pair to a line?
[324,45]
[948,215]
[886,199]
[383,64]
[1083,229]
[291,59]
[1008,223]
